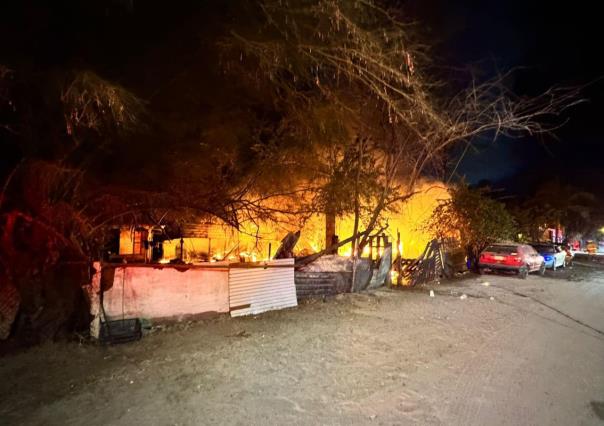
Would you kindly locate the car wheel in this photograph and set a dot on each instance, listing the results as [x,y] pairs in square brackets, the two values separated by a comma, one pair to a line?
[542,269]
[523,272]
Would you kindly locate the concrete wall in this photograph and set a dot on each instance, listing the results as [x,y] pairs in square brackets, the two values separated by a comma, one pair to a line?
[162,291]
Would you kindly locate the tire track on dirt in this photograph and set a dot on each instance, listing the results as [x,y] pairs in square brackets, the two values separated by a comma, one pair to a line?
[558,311]
[476,372]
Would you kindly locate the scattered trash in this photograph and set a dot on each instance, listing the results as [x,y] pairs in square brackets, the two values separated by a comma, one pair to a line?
[491,298]
[486,284]
[431,293]
[463,297]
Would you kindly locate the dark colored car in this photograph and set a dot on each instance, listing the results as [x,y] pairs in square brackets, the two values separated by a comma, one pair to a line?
[519,258]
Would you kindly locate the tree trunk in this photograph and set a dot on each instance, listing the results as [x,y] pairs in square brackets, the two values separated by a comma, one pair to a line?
[330,230]
[357,206]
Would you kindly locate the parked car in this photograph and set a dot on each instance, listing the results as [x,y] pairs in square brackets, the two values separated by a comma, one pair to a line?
[554,256]
[519,258]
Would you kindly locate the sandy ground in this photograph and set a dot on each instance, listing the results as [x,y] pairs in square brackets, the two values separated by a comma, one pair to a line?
[532,355]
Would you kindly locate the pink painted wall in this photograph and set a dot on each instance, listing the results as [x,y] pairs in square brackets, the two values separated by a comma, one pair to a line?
[167,291]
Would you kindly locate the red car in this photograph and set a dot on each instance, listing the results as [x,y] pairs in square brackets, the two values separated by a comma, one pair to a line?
[519,258]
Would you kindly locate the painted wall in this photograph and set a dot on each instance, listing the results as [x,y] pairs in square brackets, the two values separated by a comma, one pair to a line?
[162,291]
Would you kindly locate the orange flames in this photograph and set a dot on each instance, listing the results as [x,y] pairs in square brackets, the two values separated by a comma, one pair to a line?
[255,243]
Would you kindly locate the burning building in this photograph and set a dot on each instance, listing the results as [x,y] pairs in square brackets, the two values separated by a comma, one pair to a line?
[216,241]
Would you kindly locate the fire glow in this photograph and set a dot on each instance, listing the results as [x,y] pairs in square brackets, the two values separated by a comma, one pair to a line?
[255,242]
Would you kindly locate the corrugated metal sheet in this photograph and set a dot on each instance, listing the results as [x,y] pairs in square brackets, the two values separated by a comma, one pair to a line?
[253,290]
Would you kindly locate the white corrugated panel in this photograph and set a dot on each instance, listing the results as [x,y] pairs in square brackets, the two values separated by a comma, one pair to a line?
[253,290]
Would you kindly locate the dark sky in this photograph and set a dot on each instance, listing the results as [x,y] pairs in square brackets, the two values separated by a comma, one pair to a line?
[560,43]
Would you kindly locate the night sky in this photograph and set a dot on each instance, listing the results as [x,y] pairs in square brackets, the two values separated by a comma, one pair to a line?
[559,44]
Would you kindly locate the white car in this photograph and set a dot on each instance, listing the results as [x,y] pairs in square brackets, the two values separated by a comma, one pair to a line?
[554,256]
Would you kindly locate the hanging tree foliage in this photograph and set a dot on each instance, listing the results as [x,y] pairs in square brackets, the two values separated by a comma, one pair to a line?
[369,66]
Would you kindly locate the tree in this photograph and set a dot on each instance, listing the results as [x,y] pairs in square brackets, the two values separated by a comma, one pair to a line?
[556,205]
[474,218]
[49,211]
[530,221]
[563,205]
[363,59]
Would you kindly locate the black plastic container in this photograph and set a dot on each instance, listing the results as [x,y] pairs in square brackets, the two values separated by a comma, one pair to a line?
[120,331]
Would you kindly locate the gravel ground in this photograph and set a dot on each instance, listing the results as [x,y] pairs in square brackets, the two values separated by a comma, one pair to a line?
[512,352]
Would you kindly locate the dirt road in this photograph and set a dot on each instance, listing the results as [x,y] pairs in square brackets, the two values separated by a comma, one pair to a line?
[534,354]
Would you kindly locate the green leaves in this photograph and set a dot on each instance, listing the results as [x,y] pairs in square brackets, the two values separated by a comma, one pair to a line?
[473,217]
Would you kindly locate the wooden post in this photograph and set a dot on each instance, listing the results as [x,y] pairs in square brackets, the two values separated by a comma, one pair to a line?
[399,259]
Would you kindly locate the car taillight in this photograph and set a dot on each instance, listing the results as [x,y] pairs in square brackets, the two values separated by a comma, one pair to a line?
[513,260]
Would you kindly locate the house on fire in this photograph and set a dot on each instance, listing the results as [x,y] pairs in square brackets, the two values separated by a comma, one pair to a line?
[158,271]
[216,241]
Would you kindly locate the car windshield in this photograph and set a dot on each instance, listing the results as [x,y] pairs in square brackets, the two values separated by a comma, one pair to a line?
[545,249]
[502,249]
